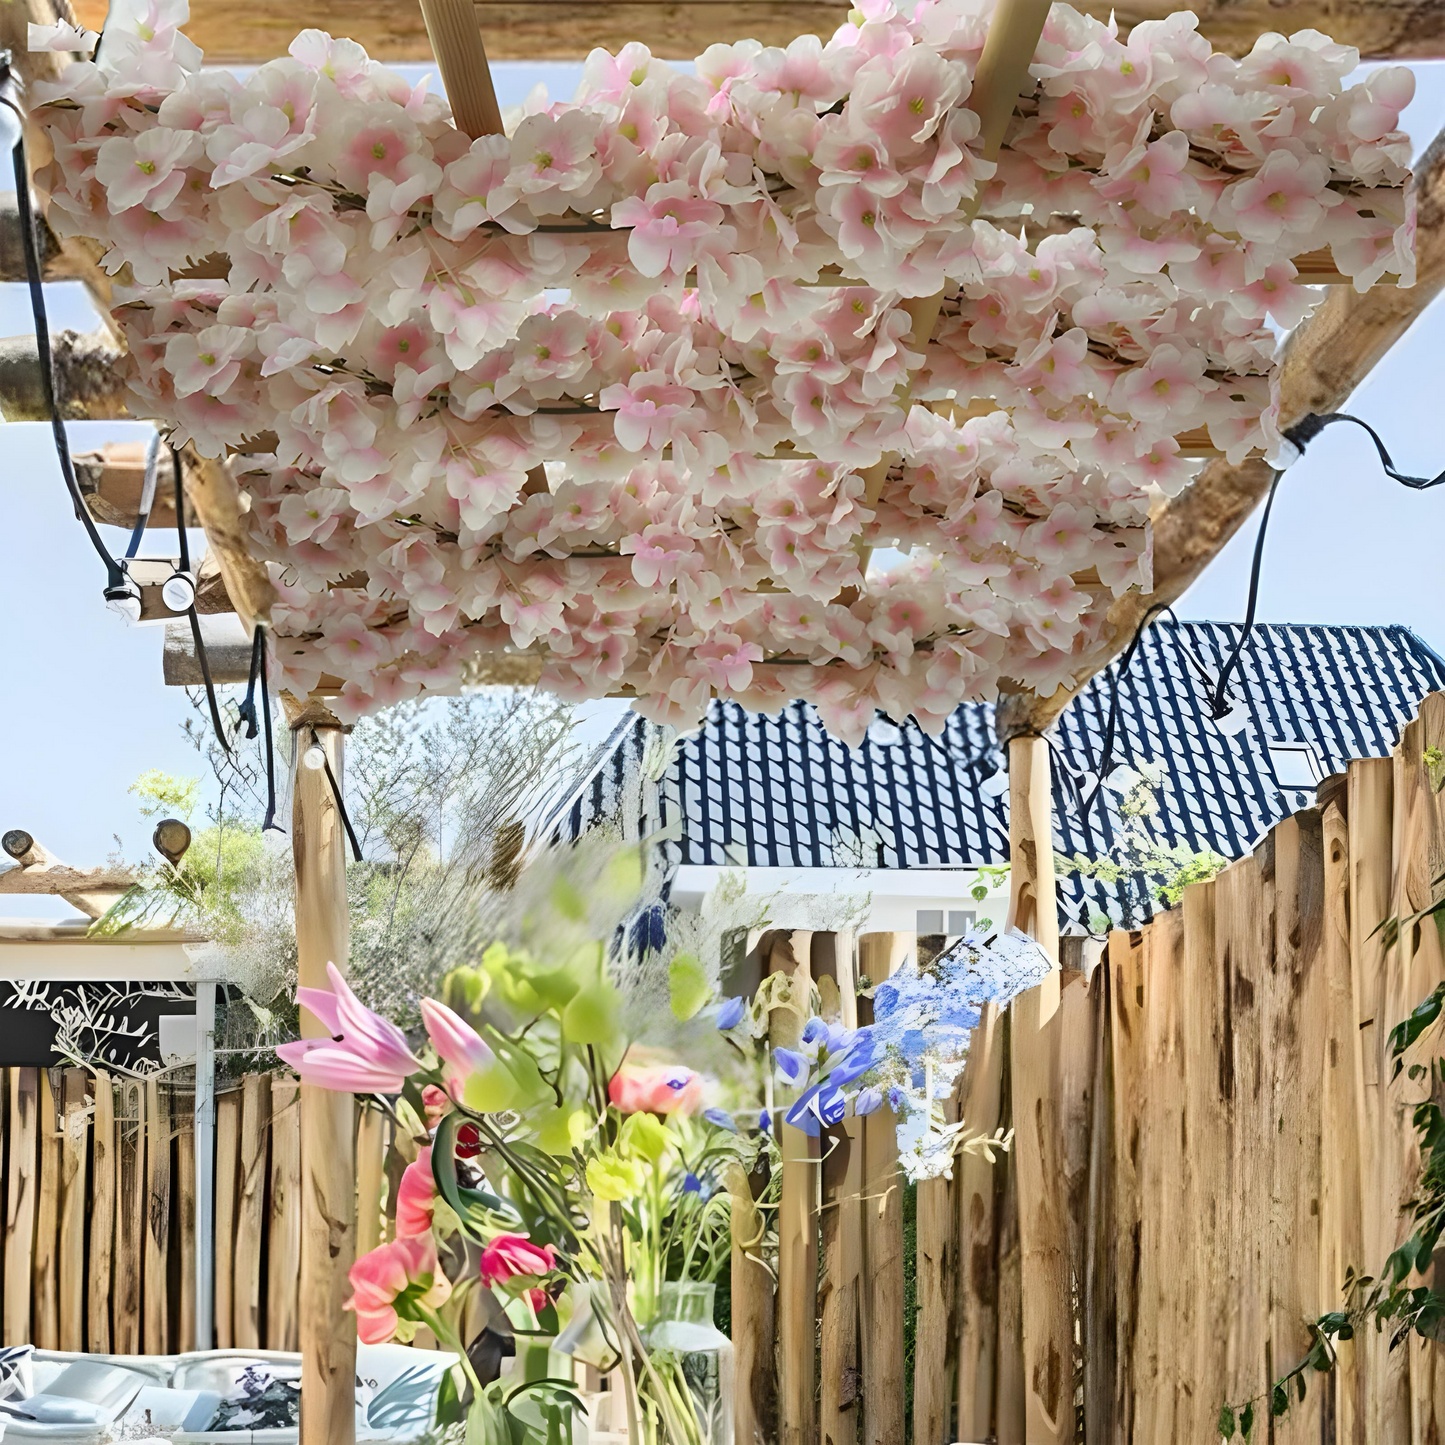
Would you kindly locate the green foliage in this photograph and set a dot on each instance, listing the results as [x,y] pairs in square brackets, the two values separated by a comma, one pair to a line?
[165,794]
[1136,854]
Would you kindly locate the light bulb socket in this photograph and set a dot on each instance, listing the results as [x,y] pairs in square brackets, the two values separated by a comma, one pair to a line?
[123,598]
[1234,719]
[178,592]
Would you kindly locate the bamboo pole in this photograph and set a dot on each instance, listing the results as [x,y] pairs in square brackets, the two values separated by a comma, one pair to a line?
[154,1331]
[246,1289]
[456,41]
[884,1382]
[74,1130]
[228,1146]
[21,1186]
[45,1276]
[130,1207]
[328,1165]
[370,1174]
[283,1238]
[102,1215]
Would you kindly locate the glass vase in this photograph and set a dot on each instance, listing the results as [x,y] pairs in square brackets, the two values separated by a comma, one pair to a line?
[683,1335]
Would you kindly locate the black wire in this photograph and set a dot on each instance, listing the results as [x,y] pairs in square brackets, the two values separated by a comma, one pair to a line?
[216,723]
[259,650]
[115,573]
[185,546]
[147,496]
[246,713]
[1218,707]
[1306,430]
[336,793]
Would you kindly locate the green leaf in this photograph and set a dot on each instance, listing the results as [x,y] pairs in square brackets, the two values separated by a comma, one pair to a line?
[1426,1012]
[491,1090]
[1299,1381]
[591,1017]
[449,1400]
[1278,1400]
[1226,1422]
[687,985]
[471,1206]
[1246,1420]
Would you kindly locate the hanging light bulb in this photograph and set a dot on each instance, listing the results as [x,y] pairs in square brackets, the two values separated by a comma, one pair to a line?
[314,758]
[995,785]
[1234,719]
[178,591]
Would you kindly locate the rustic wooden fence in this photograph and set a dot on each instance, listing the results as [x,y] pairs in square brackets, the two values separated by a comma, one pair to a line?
[1208,1138]
[99,1241]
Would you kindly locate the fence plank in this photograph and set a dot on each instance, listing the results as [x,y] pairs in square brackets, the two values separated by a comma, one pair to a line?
[102,1215]
[130,1208]
[755,1399]
[21,1185]
[283,1238]
[884,1379]
[370,1174]
[1010,1425]
[75,1131]
[1341,1223]
[936,1323]
[184,1313]
[1078,1028]
[976,1194]
[228,1147]
[156,1248]
[246,1297]
[841,1218]
[45,1275]
[1100,1319]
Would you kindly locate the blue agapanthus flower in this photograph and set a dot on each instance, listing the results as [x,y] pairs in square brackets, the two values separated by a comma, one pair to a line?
[721,1118]
[730,1013]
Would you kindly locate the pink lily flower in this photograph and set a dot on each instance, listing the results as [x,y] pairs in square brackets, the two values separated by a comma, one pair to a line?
[416,1197]
[512,1256]
[405,1270]
[459,1046]
[364,1055]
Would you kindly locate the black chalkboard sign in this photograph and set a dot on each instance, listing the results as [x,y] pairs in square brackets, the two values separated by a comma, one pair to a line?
[106,1023]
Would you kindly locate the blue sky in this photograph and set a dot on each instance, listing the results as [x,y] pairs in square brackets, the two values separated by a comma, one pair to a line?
[83,710]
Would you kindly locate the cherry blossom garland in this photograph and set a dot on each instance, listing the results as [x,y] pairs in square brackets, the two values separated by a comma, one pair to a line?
[607,387]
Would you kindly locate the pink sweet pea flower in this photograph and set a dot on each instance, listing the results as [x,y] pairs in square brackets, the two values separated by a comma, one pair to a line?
[670,1089]
[416,1197]
[514,1256]
[391,1282]
[460,1047]
[365,1055]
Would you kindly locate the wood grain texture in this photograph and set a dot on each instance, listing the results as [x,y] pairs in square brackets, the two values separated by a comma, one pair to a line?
[130,1208]
[74,1148]
[533,30]
[21,1185]
[44,1266]
[183,1307]
[755,1398]
[283,1224]
[100,1271]
[370,1176]
[328,1163]
[155,1332]
[976,1194]
[250,1212]
[228,1154]
[935,1329]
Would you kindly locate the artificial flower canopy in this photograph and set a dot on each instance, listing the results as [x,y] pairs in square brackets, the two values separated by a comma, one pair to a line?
[638,386]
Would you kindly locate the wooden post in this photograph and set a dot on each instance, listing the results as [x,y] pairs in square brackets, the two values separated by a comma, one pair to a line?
[934,1336]
[370,1173]
[754,1403]
[250,1208]
[977,1192]
[45,1280]
[20,1193]
[102,1215]
[283,1237]
[456,41]
[228,1148]
[884,1382]
[130,1202]
[72,1210]
[841,1217]
[328,1162]
[187,1309]
[157,1218]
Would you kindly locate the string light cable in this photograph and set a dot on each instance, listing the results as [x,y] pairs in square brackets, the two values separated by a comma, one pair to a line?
[315,758]
[121,593]
[1299,436]
[246,719]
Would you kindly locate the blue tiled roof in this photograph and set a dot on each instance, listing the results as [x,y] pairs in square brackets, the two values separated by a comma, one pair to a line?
[777,791]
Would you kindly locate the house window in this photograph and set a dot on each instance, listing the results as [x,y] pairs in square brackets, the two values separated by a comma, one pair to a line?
[930,920]
[959,921]
[1296,764]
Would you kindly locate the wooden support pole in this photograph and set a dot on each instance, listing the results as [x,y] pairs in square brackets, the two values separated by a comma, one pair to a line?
[328,1160]
[456,41]
[20,1195]
[102,1215]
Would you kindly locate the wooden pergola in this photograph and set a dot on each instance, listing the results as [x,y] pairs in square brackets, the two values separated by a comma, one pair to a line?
[1326,358]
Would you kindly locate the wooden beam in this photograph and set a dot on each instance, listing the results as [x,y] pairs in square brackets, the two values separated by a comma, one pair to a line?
[1325,358]
[90,383]
[456,41]
[111,480]
[680,29]
[328,1170]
